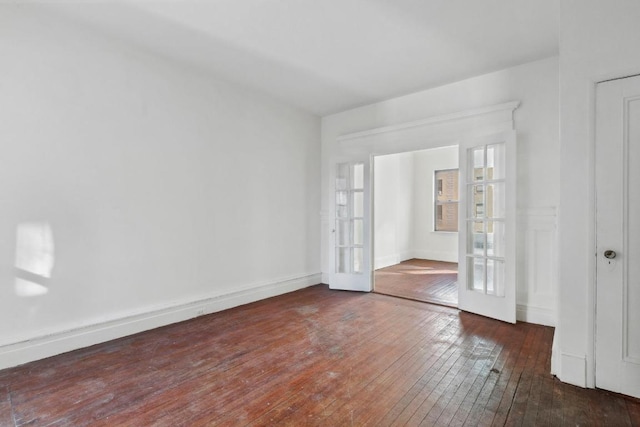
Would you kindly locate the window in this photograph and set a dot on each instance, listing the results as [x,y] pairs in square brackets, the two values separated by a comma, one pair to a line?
[446,200]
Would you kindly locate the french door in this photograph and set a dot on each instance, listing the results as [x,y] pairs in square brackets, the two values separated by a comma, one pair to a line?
[617,181]
[352,267]
[487,229]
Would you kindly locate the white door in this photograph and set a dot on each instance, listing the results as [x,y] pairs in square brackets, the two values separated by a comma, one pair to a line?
[487,229]
[618,236]
[351,268]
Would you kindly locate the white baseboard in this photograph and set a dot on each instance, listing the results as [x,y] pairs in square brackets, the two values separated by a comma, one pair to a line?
[325,278]
[436,255]
[389,260]
[386,261]
[573,369]
[61,342]
[537,315]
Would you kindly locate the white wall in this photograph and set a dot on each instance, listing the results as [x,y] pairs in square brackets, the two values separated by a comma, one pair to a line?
[427,243]
[536,86]
[393,209]
[162,186]
[598,41]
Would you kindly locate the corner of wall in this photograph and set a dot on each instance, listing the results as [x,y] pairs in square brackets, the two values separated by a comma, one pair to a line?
[556,368]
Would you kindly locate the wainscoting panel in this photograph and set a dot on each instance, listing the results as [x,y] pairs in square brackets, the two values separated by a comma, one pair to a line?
[537,269]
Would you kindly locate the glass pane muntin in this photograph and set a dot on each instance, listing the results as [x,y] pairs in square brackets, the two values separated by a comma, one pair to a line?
[349,228]
[485,182]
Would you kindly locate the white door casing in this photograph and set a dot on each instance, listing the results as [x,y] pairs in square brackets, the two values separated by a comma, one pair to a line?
[487,226]
[617,183]
[351,267]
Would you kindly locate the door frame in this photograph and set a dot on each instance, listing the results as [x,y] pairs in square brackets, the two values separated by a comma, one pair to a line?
[373,203]
[428,133]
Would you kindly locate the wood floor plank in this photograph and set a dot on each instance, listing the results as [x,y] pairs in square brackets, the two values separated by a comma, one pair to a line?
[479,389]
[517,376]
[603,405]
[371,360]
[314,357]
[398,377]
[420,280]
[6,412]
[556,414]
[524,408]
[368,367]
[633,408]
[481,360]
[394,380]
[430,386]
[513,340]
[345,404]
[443,342]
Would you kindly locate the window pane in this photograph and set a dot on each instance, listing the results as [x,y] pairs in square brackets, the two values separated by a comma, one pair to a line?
[358,176]
[342,260]
[358,231]
[357,260]
[341,198]
[358,204]
[447,217]
[342,233]
[342,176]
[496,161]
[476,238]
[342,211]
[476,198]
[495,200]
[477,164]
[490,277]
[446,185]
[495,239]
[476,274]
[446,200]
[495,277]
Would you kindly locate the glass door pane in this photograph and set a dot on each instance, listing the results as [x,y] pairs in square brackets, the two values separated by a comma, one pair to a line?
[349,239]
[486,197]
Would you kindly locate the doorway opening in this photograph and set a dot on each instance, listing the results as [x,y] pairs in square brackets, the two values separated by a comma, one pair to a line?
[415,225]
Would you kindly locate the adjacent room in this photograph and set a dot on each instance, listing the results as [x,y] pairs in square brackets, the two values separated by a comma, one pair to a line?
[292,212]
[416,225]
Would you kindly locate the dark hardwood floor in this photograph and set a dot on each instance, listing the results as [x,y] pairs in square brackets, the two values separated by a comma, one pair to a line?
[420,280]
[312,357]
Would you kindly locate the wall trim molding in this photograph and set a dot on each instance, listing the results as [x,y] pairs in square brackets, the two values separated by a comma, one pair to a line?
[387,261]
[436,255]
[537,291]
[573,369]
[36,348]
[430,121]
[538,315]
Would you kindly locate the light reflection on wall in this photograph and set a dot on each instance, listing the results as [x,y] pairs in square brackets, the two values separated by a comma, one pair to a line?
[34,258]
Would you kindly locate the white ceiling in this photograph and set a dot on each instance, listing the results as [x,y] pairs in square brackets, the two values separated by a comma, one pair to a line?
[327,56]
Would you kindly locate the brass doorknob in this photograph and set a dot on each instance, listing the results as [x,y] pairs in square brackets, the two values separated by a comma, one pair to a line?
[609,254]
